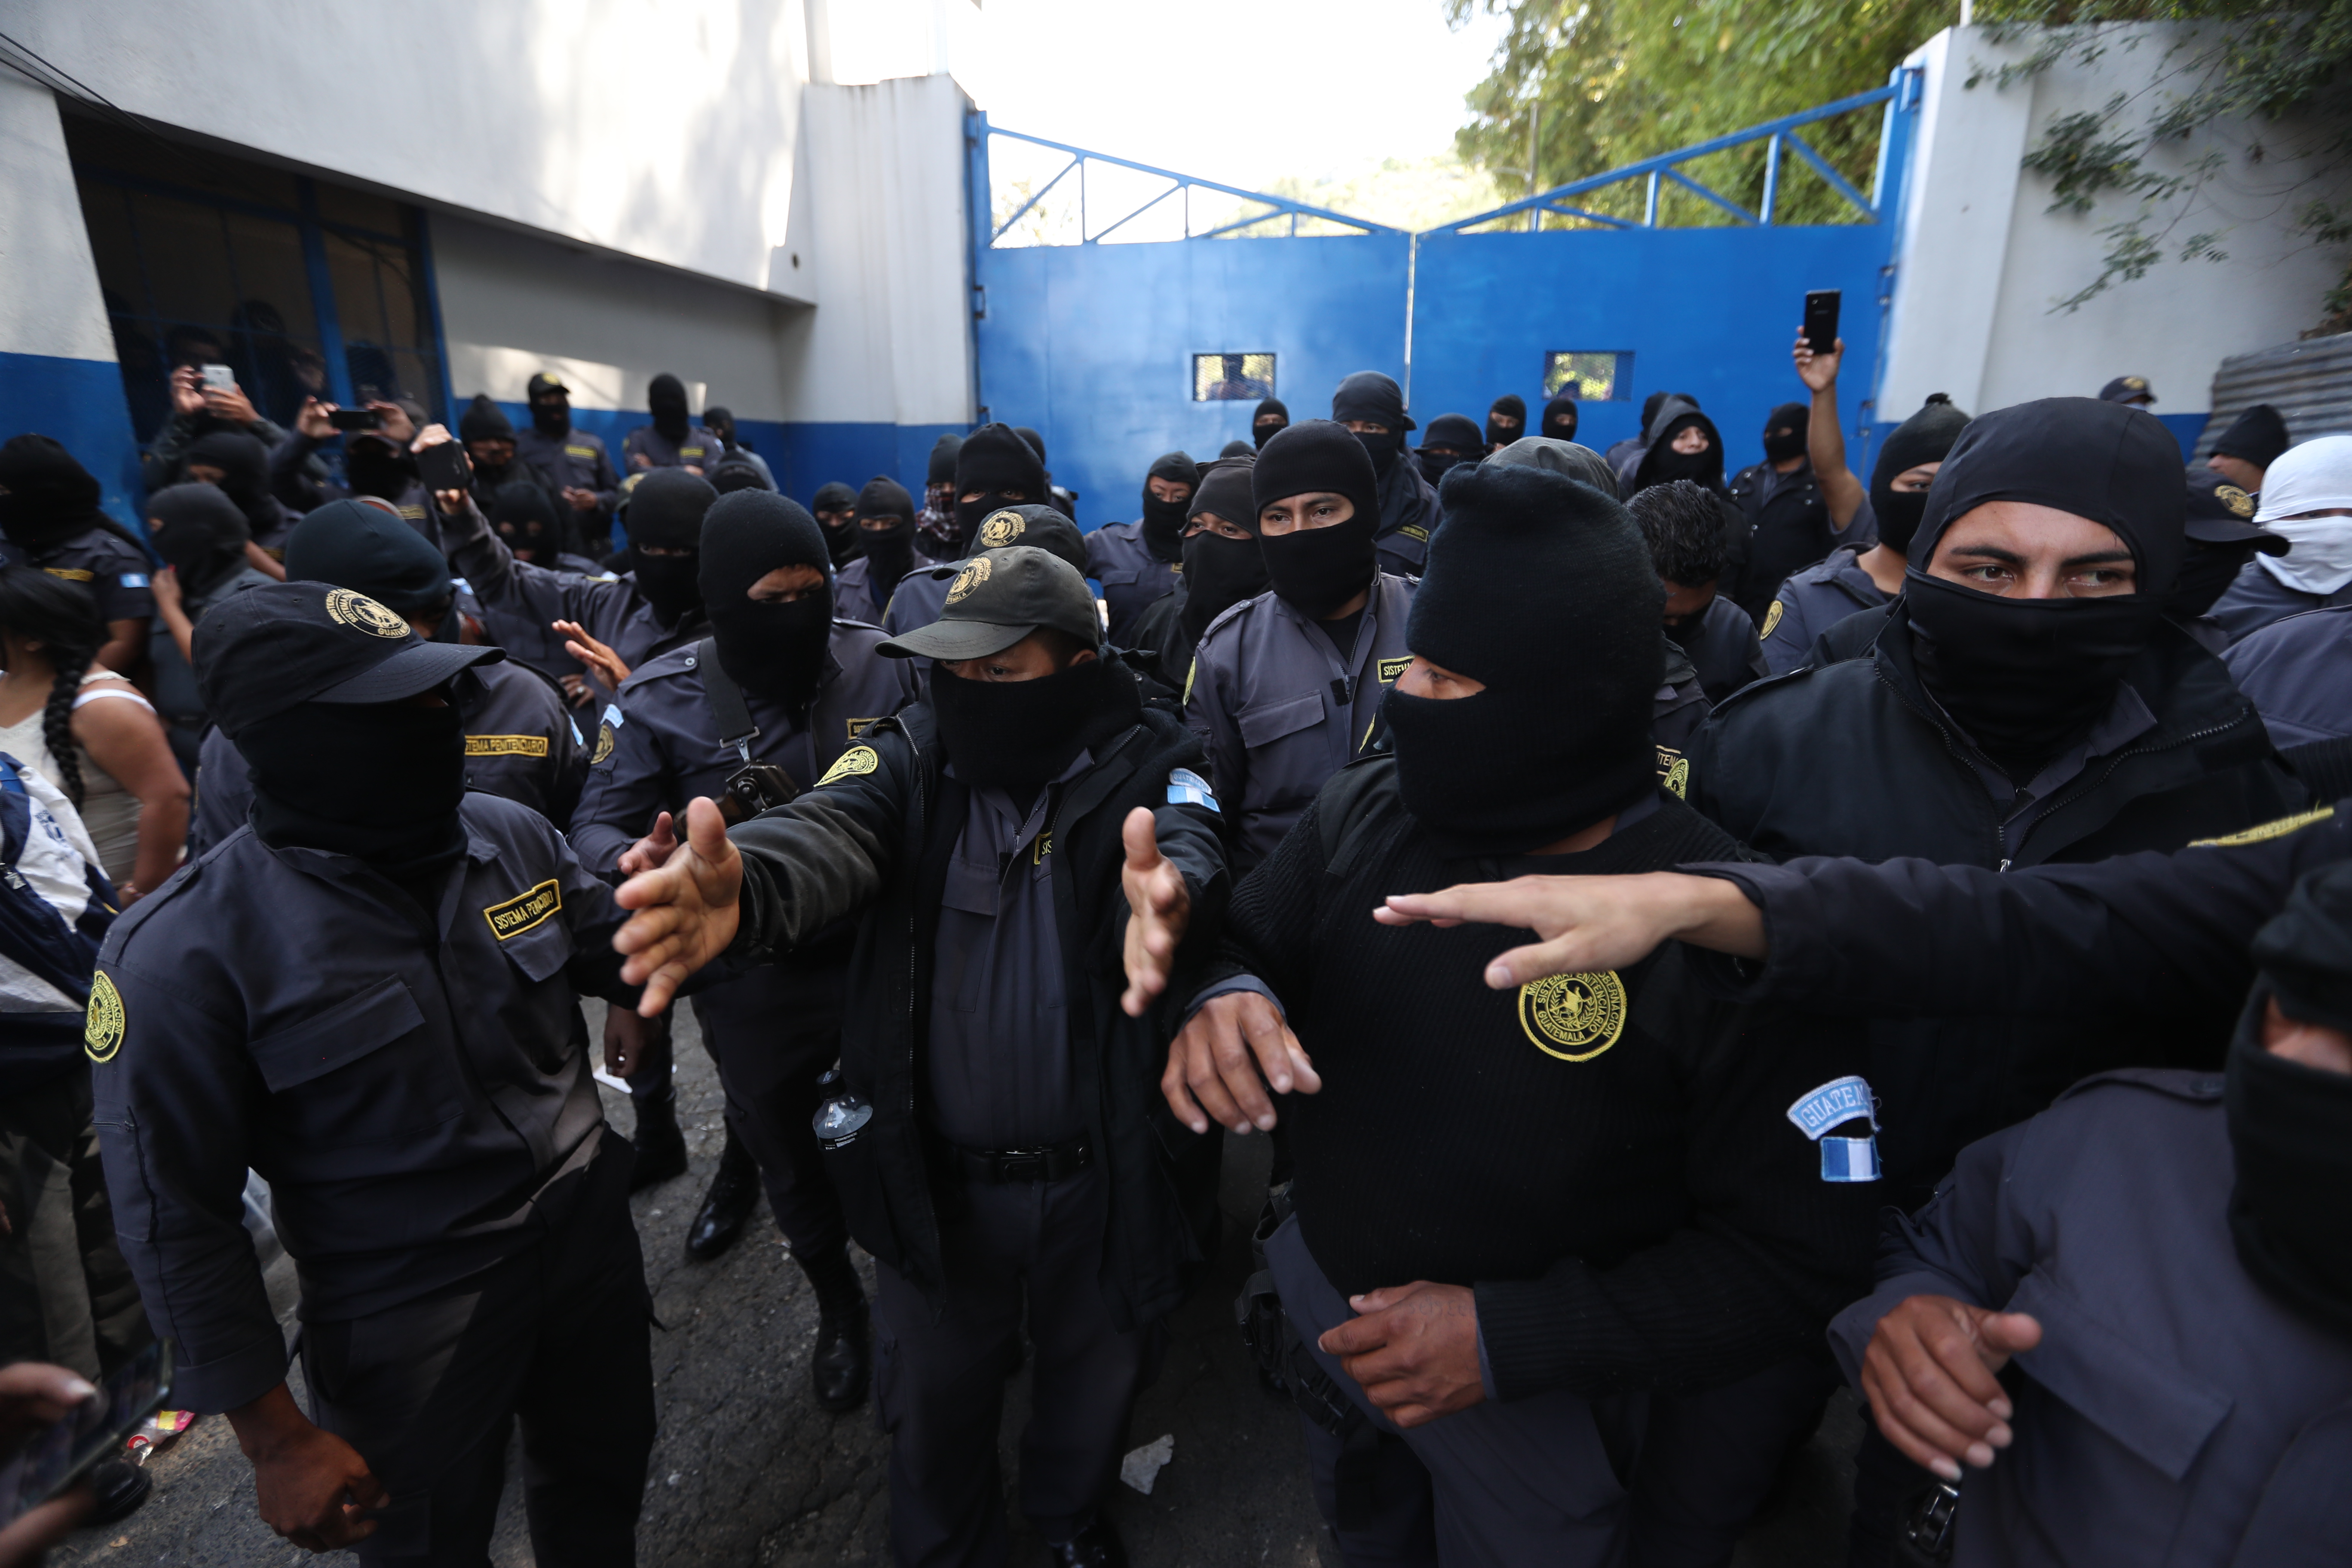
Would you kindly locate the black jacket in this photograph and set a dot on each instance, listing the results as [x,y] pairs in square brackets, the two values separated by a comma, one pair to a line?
[871,843]
[1788,532]
[1852,758]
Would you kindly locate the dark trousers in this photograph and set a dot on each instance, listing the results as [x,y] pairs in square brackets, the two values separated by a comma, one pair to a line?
[773,1033]
[939,1380]
[65,1294]
[429,1391]
[1640,1479]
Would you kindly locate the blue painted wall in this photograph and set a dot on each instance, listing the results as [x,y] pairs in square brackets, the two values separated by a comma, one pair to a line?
[79,402]
[1093,345]
[1709,311]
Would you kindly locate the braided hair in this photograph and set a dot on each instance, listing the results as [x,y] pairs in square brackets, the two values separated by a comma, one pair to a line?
[63,618]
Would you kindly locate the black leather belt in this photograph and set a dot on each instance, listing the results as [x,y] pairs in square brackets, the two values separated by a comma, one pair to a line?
[1003,1166]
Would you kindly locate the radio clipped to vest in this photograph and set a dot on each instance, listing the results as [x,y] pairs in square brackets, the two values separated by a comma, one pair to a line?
[753,787]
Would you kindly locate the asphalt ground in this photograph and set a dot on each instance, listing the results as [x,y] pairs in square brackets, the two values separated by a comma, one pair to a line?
[748,1471]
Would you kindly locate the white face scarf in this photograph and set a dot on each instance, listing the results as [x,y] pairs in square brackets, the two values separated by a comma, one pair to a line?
[2314,477]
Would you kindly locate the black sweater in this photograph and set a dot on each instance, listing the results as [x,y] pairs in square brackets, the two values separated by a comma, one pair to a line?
[1616,1174]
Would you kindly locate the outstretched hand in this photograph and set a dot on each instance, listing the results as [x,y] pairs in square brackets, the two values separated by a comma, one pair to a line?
[653,851]
[1590,923]
[689,908]
[1235,1048]
[1160,909]
[1928,1377]
[610,667]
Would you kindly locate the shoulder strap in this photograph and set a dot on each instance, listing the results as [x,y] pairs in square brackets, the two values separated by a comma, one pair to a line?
[736,731]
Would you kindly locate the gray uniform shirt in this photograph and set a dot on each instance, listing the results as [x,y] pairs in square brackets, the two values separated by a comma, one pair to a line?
[1132,576]
[1000,1069]
[701,449]
[2174,1412]
[2257,598]
[112,569]
[656,746]
[2293,672]
[1812,601]
[854,598]
[521,743]
[1280,711]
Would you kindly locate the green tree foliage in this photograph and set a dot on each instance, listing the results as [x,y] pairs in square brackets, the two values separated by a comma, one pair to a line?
[2287,73]
[1606,83]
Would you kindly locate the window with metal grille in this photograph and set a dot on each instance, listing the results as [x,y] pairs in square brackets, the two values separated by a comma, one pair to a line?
[1589,375]
[1231,377]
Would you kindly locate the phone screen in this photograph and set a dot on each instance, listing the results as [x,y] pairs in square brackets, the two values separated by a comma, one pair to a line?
[356,419]
[59,1458]
[445,467]
[220,377]
[1822,320]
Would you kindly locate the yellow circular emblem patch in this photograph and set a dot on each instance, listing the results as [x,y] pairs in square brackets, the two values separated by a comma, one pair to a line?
[2240,503]
[359,610]
[1573,1016]
[1771,618]
[603,744]
[971,577]
[102,1033]
[999,529]
[853,761]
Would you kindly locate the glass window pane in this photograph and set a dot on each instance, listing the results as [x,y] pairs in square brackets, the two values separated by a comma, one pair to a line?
[187,262]
[104,145]
[108,219]
[1589,375]
[358,303]
[337,205]
[274,317]
[1241,377]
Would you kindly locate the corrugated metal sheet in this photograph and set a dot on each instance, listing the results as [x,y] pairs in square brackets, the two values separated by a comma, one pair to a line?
[2309,383]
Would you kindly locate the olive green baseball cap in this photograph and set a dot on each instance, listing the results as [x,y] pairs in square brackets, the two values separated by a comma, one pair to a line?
[999,598]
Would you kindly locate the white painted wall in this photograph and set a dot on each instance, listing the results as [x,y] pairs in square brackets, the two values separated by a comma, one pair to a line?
[49,299]
[1984,260]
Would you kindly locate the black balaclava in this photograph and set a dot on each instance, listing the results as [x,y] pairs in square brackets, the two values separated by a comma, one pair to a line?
[1925,437]
[1559,418]
[1561,736]
[1237,449]
[525,517]
[666,510]
[1164,520]
[1018,734]
[993,463]
[1796,419]
[244,464]
[1372,398]
[2025,677]
[2258,436]
[51,497]
[1317,570]
[738,473]
[485,421]
[772,650]
[1662,464]
[550,406]
[665,397]
[376,467]
[2291,1125]
[1220,572]
[1448,430]
[382,781]
[1582,463]
[1036,444]
[1510,405]
[890,551]
[841,537]
[720,420]
[353,544]
[939,476]
[201,535]
[1272,418]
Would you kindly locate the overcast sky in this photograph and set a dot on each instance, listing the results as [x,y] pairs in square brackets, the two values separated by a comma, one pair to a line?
[1242,91]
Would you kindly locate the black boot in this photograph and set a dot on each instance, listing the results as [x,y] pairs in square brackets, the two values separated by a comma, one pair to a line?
[839,1365]
[660,1146]
[734,1192]
[122,1487]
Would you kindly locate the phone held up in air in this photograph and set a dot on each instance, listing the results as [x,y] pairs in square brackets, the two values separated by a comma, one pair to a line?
[1822,320]
[54,1462]
[445,467]
[350,419]
[219,377]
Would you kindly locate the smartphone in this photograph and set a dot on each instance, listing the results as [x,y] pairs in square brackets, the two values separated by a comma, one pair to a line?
[444,466]
[355,419]
[1820,319]
[56,1461]
[220,378]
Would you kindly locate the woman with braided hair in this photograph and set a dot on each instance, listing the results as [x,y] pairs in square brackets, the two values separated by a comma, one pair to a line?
[88,731]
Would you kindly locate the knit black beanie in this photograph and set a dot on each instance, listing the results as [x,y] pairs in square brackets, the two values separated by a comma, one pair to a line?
[833,495]
[666,508]
[993,460]
[1315,570]
[940,469]
[1561,736]
[884,496]
[484,421]
[2258,436]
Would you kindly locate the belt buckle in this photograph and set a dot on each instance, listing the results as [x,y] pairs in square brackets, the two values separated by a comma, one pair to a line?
[1021,1164]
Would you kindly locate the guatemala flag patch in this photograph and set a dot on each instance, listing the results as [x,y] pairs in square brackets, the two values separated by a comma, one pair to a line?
[1186,787]
[1835,1103]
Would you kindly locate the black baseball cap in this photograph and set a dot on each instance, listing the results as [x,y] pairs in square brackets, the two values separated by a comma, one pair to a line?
[1043,527]
[545,381]
[281,645]
[998,599]
[2221,513]
[2126,389]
